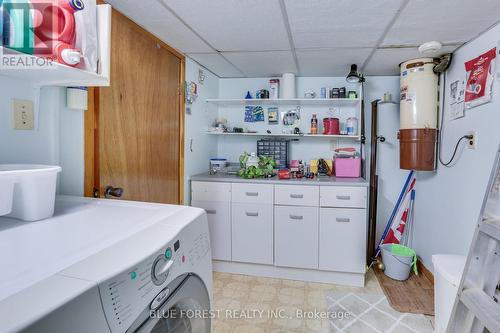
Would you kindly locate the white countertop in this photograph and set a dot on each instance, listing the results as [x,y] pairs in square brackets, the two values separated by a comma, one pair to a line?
[324,181]
[80,227]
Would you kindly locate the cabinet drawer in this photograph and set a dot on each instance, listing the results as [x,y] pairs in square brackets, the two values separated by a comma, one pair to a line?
[210,191]
[252,193]
[219,225]
[342,240]
[252,233]
[296,236]
[343,196]
[296,195]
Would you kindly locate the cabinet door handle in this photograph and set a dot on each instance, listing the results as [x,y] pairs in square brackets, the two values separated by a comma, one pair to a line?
[296,196]
[344,197]
[253,214]
[252,194]
[211,211]
[343,219]
[296,217]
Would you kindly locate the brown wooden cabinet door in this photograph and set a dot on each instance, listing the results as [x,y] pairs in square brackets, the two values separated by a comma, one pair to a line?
[139,123]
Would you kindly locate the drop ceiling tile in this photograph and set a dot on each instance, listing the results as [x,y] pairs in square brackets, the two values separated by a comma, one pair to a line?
[386,61]
[331,62]
[263,64]
[216,63]
[340,23]
[230,25]
[158,20]
[445,21]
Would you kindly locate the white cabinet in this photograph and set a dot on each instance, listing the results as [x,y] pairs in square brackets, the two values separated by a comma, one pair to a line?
[219,224]
[296,195]
[342,240]
[252,193]
[215,198]
[211,191]
[343,196]
[296,236]
[252,233]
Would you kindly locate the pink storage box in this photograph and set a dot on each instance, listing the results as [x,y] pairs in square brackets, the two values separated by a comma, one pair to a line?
[348,167]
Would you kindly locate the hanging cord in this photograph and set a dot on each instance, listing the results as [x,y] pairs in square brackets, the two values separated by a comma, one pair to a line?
[441,127]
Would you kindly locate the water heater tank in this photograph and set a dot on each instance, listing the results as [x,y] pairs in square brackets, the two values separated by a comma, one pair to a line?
[418,115]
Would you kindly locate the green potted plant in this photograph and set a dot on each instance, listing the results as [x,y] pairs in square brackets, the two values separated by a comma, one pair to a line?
[252,166]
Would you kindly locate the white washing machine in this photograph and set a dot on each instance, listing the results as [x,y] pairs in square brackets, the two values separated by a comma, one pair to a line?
[119,267]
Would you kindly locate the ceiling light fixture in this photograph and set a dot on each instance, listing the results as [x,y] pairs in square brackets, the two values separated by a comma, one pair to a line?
[354,76]
[430,47]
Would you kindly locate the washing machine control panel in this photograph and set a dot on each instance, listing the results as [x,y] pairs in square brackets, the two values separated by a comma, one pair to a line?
[134,292]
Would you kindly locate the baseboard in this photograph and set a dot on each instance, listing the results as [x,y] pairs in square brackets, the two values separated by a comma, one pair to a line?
[424,271]
[310,275]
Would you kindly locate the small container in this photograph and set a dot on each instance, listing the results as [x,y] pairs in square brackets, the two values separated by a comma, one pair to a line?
[352,126]
[352,94]
[274,90]
[347,167]
[314,124]
[322,92]
[217,165]
[33,190]
[342,92]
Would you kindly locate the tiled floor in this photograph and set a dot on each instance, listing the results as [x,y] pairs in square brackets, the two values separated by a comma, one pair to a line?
[260,305]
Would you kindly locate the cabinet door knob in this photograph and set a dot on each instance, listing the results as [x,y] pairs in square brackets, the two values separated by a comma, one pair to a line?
[252,214]
[296,196]
[343,219]
[296,217]
[252,194]
[211,211]
[344,197]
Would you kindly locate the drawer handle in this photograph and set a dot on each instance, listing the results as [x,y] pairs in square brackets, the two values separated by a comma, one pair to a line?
[253,214]
[296,196]
[252,194]
[296,217]
[343,219]
[344,197]
[211,211]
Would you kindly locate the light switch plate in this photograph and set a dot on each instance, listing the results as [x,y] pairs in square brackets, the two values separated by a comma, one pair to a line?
[23,115]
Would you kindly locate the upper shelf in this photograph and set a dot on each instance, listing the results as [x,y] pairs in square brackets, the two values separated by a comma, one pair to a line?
[294,101]
[62,75]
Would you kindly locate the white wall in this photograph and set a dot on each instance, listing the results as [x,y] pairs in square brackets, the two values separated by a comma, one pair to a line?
[199,147]
[57,138]
[448,202]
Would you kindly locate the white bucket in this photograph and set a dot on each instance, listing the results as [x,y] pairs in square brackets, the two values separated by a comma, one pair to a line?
[397,267]
[31,191]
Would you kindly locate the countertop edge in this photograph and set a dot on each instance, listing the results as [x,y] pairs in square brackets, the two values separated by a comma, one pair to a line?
[332,181]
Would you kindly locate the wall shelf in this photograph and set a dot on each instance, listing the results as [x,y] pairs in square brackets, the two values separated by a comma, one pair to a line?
[324,136]
[62,75]
[291,102]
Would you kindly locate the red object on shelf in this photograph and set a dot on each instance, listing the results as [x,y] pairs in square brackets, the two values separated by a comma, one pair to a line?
[331,126]
[284,174]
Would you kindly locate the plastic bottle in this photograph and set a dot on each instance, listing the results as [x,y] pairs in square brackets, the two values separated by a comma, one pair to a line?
[314,124]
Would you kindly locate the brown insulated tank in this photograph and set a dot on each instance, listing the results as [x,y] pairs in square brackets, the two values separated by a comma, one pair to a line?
[418,115]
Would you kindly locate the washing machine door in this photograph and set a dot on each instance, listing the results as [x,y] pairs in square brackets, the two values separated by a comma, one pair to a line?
[186,310]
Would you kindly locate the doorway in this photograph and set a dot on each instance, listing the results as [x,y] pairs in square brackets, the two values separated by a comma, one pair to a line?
[134,129]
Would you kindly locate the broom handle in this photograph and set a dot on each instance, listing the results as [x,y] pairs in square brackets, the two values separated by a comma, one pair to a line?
[394,211]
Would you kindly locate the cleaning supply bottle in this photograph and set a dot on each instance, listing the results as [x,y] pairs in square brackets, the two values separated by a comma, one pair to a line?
[314,124]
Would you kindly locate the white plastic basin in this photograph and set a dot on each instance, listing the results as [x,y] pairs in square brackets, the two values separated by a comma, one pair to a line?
[28,191]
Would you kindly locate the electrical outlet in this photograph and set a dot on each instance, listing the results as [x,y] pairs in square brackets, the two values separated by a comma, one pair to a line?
[23,115]
[472,143]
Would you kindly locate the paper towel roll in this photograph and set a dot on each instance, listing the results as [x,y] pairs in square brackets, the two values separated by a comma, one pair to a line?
[287,89]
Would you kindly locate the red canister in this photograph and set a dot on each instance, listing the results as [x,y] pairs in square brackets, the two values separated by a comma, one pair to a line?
[331,126]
